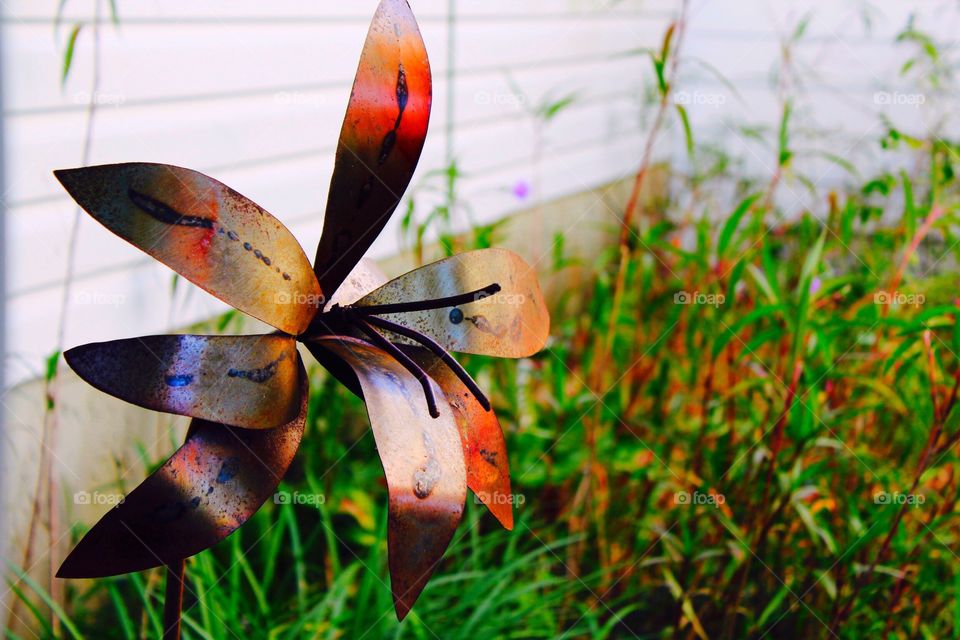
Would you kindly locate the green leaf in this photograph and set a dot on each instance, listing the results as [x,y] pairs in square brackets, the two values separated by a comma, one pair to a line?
[730,331]
[730,226]
[801,28]
[68,54]
[667,38]
[807,273]
[661,79]
[909,207]
[784,137]
[772,607]
[129,630]
[52,361]
[955,337]
[687,131]
[813,259]
[735,274]
[50,602]
[764,284]
[553,109]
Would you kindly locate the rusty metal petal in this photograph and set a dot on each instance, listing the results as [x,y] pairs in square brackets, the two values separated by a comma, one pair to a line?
[205,491]
[484,449]
[205,231]
[513,323]
[244,381]
[422,459]
[380,142]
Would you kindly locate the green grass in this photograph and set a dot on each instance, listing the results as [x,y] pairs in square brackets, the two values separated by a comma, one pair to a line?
[690,398]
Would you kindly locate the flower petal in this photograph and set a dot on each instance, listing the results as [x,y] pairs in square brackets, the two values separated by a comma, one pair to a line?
[205,491]
[484,449]
[205,231]
[513,323]
[380,143]
[243,381]
[422,459]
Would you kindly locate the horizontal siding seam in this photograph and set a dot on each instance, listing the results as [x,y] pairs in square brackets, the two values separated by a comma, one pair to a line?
[558,151]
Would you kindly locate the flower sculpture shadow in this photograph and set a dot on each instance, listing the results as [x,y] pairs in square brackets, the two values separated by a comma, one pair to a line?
[388,342]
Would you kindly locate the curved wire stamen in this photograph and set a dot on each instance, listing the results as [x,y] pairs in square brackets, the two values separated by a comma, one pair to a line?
[404,360]
[438,351]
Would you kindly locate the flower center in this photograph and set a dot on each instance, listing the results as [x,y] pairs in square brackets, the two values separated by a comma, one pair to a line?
[340,319]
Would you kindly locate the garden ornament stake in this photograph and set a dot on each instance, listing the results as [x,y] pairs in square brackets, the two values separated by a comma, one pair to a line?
[387,341]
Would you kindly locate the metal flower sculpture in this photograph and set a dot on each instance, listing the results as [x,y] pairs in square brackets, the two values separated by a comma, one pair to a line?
[387,341]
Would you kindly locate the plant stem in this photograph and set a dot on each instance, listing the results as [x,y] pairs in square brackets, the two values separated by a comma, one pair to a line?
[639,179]
[935,432]
[173,600]
[45,472]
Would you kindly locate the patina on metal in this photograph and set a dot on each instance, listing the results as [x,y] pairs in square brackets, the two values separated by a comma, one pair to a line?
[203,493]
[244,381]
[380,142]
[423,461]
[388,342]
[205,231]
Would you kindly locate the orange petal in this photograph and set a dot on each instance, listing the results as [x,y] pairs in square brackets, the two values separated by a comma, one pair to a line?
[380,143]
[422,459]
[205,231]
[513,323]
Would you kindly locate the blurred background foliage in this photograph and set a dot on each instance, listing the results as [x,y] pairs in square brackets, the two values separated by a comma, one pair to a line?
[743,426]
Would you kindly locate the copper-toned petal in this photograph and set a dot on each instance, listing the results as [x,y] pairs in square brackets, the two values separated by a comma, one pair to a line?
[206,232]
[422,459]
[484,449]
[513,323]
[380,143]
[244,381]
[204,492]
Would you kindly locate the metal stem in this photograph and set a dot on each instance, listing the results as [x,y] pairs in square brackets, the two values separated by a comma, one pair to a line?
[404,360]
[173,600]
[438,351]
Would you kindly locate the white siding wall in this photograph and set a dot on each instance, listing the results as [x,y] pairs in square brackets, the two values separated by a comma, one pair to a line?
[253,93]
[843,61]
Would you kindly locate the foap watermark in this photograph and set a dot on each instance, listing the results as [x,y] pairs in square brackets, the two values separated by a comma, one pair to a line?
[512,299]
[500,98]
[85,497]
[100,298]
[298,99]
[899,298]
[311,299]
[99,98]
[895,98]
[696,297]
[298,497]
[912,499]
[700,98]
[496,497]
[699,498]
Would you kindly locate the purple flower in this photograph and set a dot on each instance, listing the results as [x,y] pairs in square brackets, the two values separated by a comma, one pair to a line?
[815,285]
[521,190]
